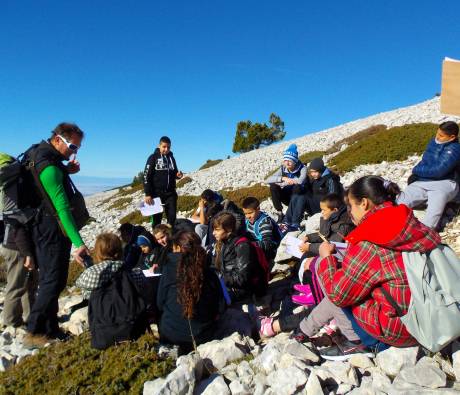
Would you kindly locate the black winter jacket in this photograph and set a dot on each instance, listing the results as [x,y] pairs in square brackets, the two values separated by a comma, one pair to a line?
[173,326]
[329,182]
[338,225]
[238,266]
[160,174]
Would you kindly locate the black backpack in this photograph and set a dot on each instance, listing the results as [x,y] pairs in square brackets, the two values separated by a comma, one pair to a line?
[116,312]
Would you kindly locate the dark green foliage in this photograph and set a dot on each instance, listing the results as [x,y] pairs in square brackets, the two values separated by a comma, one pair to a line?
[308,156]
[187,202]
[385,145]
[120,203]
[362,134]
[210,163]
[183,181]
[75,269]
[129,190]
[237,196]
[139,179]
[73,367]
[135,218]
[251,136]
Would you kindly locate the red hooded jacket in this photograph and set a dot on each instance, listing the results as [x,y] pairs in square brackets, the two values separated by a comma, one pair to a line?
[373,261]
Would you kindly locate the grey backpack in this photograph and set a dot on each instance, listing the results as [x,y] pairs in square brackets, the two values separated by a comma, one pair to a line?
[433,317]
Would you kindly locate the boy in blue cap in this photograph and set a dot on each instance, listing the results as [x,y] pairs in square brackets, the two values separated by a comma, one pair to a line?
[287,185]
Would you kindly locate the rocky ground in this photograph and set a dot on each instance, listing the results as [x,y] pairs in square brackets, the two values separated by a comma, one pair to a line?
[237,365]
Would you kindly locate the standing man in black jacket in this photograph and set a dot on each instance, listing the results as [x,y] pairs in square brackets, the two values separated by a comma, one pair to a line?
[160,176]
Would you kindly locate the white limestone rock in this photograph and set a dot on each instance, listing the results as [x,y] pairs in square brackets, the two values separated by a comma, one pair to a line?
[393,359]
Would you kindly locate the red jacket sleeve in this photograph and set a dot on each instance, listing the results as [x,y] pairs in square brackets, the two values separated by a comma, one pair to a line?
[352,283]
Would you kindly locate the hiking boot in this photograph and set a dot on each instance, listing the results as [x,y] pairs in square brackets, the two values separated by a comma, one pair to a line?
[299,336]
[59,335]
[305,289]
[323,340]
[304,299]
[32,341]
[344,349]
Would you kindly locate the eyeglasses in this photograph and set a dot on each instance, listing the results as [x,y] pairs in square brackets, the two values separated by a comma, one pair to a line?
[70,146]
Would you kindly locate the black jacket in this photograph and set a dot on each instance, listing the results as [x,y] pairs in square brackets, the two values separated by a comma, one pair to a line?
[238,266]
[329,182]
[338,225]
[173,326]
[160,174]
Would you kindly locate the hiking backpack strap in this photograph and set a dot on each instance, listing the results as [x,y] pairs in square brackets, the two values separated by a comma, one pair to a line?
[392,302]
[31,167]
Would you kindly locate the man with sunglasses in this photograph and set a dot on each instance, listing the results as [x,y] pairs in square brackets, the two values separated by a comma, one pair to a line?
[56,226]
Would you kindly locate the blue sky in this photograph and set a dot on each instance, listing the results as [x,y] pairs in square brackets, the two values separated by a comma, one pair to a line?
[129,72]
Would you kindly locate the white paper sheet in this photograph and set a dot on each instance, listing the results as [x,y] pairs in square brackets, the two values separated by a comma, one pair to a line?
[151,209]
[148,273]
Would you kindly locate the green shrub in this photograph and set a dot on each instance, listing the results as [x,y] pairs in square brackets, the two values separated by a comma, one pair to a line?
[129,190]
[388,145]
[75,269]
[120,203]
[307,157]
[73,367]
[362,134]
[258,191]
[183,181]
[210,163]
[187,202]
[135,218]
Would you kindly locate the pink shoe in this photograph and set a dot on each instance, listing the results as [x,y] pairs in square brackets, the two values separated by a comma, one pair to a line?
[305,289]
[266,327]
[305,299]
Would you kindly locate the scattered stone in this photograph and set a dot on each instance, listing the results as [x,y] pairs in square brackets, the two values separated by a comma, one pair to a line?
[238,388]
[313,386]
[215,384]
[361,361]
[299,351]
[286,382]
[393,359]
[425,374]
[181,380]
[221,352]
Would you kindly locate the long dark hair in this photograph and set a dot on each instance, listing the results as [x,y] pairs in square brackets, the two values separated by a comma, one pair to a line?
[190,270]
[375,188]
[227,222]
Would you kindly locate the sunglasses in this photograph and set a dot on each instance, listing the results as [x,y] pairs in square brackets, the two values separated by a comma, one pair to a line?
[70,146]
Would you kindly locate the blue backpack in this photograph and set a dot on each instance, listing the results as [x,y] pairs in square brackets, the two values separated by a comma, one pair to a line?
[276,233]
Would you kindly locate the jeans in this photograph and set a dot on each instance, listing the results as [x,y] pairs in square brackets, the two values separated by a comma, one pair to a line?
[366,339]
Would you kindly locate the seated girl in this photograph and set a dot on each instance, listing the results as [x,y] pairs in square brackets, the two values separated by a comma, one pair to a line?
[108,258]
[234,259]
[373,262]
[189,295]
[162,235]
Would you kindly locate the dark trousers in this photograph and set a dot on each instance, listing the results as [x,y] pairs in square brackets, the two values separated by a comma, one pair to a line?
[312,203]
[52,252]
[292,195]
[280,196]
[169,199]
[290,322]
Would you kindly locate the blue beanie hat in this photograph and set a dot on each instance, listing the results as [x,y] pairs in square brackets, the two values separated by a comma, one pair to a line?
[143,241]
[291,154]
